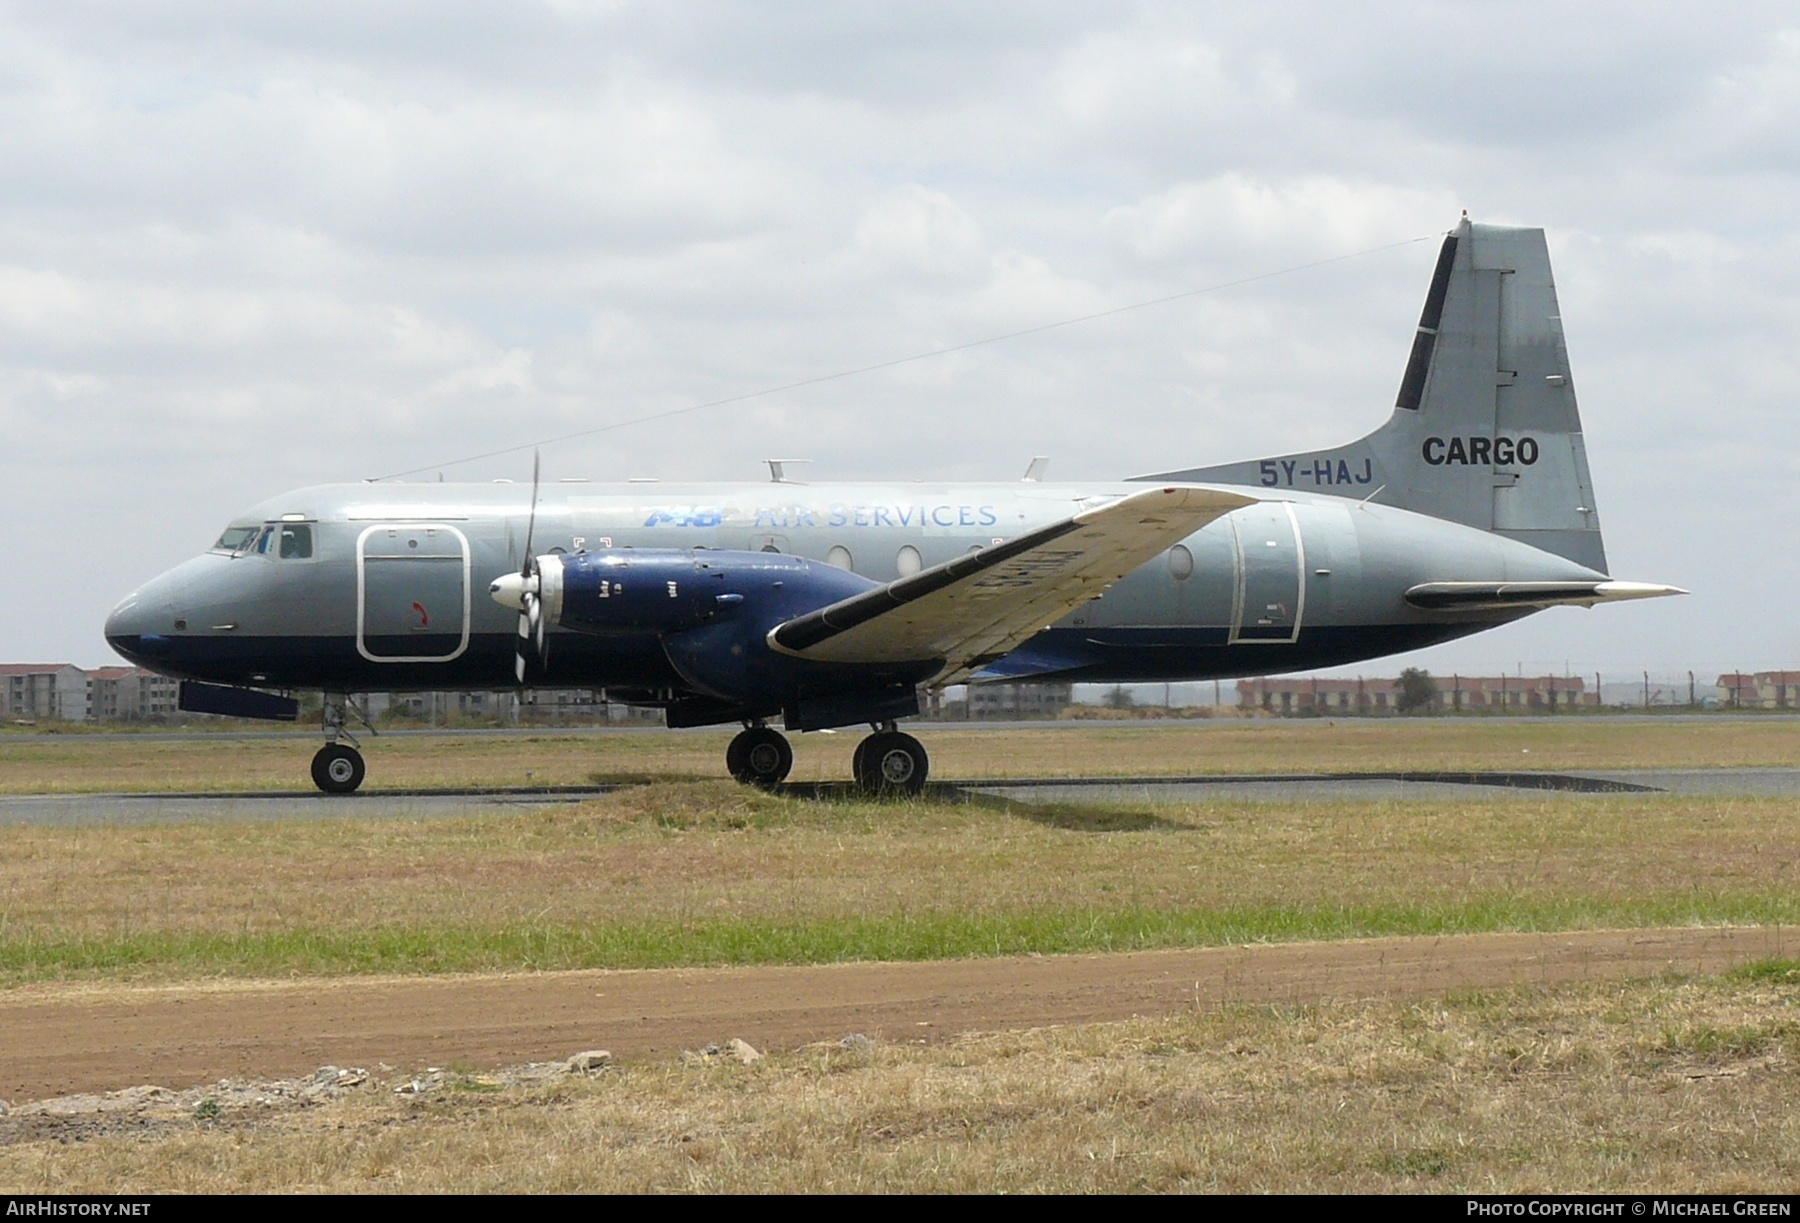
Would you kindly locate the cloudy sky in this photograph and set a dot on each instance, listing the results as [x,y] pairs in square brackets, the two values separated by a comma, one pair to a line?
[250,247]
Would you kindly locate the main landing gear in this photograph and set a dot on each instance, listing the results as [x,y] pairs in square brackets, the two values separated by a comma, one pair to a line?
[890,762]
[337,768]
[887,762]
[759,756]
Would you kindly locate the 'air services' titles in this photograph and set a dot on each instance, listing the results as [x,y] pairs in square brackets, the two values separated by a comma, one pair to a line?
[788,517]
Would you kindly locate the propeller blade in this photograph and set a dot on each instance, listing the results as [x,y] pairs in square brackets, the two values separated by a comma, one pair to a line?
[527,605]
[531,616]
[531,522]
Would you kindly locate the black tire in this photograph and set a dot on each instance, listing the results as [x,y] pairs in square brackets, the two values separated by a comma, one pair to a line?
[760,757]
[337,769]
[892,763]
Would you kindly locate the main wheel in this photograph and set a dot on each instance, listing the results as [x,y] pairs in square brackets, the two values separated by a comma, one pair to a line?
[337,769]
[759,757]
[891,763]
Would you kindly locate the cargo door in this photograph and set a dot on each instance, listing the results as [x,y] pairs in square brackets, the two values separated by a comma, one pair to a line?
[412,592]
[1271,573]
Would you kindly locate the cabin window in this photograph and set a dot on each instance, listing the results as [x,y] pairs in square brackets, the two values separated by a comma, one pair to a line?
[909,562]
[296,541]
[1181,563]
[840,557]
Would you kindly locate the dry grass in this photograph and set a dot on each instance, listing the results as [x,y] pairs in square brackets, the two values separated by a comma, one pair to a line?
[673,865]
[1669,1086]
[45,763]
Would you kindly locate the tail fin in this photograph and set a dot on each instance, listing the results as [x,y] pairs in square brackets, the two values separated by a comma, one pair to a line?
[1485,431]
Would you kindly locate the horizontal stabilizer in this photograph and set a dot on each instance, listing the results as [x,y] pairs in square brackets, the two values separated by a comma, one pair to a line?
[1495,596]
[971,611]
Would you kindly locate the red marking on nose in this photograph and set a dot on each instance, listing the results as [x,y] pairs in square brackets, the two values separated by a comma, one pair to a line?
[424,616]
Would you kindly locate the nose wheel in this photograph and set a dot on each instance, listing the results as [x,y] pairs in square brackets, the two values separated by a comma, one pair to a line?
[759,757]
[337,769]
[890,762]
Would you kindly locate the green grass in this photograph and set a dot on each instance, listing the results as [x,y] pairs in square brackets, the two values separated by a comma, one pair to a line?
[905,936]
[1784,972]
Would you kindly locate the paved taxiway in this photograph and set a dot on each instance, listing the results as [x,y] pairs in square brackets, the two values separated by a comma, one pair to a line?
[81,810]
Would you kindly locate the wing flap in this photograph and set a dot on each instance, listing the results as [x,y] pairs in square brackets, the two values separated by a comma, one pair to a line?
[974,608]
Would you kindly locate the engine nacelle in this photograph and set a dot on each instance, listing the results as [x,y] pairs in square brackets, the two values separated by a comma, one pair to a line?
[668,591]
[713,611]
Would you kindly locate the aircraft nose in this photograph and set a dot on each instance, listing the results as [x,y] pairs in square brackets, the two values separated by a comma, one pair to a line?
[140,626]
[134,630]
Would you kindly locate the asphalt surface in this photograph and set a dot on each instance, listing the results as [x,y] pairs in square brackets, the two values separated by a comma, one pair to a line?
[87,810]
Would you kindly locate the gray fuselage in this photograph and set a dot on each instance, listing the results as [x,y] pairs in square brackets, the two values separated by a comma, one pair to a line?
[385,587]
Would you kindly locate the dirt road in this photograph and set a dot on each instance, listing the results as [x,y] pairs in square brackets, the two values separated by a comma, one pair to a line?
[57,1040]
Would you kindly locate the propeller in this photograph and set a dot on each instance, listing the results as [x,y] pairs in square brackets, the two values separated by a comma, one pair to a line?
[531,604]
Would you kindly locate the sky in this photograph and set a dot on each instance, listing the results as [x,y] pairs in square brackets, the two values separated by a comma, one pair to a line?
[245,248]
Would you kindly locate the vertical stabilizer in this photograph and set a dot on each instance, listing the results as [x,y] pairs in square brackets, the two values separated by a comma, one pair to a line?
[1485,430]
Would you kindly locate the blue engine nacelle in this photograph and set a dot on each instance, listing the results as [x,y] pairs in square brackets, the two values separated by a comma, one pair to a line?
[713,611]
[668,590]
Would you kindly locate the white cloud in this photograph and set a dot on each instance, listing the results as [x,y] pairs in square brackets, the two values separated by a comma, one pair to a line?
[1235,216]
[247,247]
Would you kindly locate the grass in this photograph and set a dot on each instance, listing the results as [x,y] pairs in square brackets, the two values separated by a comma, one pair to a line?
[677,873]
[1664,1086]
[921,936]
[1669,1086]
[43,763]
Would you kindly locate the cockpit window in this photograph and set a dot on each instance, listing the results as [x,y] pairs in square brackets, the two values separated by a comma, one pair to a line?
[236,539]
[296,541]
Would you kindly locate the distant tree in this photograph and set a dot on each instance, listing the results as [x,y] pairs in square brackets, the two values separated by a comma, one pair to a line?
[1120,698]
[1417,690]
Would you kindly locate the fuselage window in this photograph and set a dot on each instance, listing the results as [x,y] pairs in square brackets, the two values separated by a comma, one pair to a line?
[908,561]
[296,541]
[839,556]
[1181,563]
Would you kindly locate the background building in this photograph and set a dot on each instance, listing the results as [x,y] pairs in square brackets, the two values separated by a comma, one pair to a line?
[1039,699]
[130,694]
[51,691]
[1455,693]
[1761,690]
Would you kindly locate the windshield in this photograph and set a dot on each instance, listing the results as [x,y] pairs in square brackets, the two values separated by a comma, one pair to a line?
[236,539]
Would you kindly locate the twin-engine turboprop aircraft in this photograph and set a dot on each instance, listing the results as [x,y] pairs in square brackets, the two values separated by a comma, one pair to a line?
[831,605]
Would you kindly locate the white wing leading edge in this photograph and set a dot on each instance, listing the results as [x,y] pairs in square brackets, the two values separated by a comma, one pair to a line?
[975,608]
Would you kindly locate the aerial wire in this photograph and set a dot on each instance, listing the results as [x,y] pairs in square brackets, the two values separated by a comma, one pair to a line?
[670,413]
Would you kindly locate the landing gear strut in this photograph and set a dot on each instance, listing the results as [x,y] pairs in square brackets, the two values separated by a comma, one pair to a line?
[759,756]
[338,769]
[890,762]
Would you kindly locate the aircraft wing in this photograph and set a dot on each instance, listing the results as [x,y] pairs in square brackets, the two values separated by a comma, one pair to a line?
[1495,596]
[973,609]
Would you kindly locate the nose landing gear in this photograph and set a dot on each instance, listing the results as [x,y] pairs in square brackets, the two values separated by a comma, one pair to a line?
[336,768]
[759,756]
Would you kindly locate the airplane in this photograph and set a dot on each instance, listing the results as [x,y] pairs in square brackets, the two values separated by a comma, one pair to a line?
[828,605]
